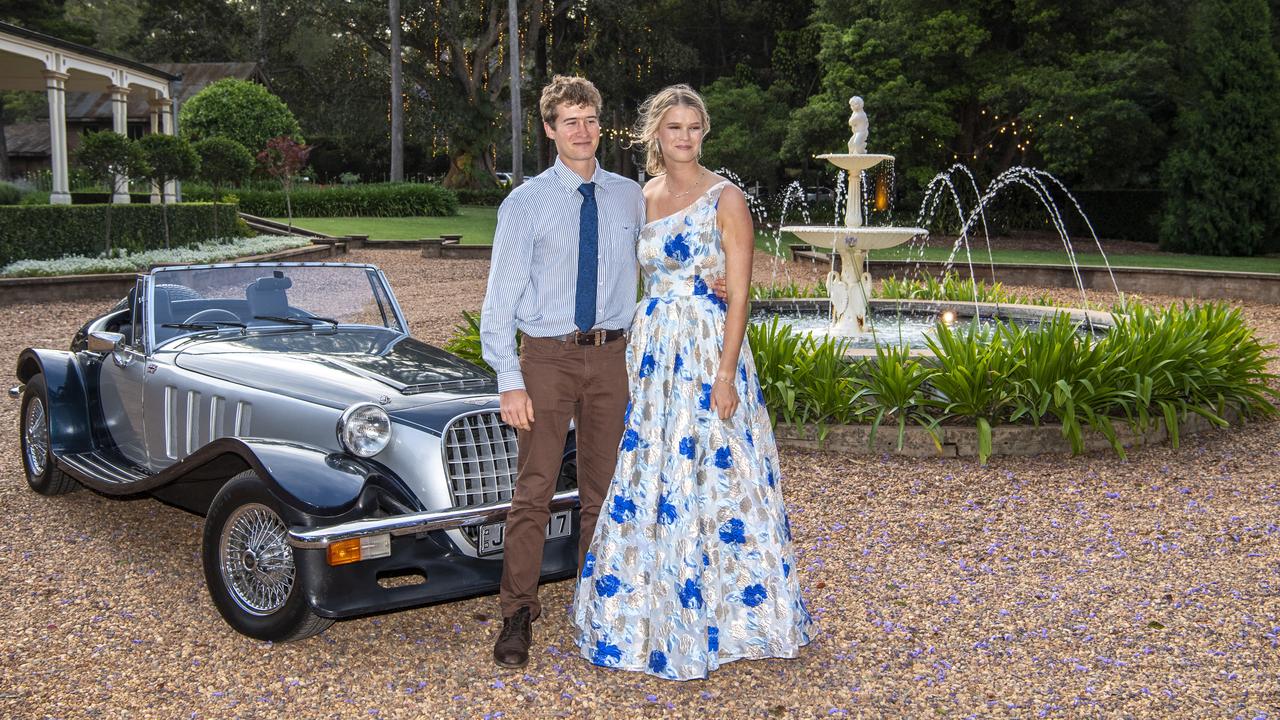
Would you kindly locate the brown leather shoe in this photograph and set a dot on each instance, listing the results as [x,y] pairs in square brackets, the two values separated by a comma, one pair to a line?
[512,648]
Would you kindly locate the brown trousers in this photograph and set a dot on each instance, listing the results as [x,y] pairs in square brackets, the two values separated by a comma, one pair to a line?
[564,380]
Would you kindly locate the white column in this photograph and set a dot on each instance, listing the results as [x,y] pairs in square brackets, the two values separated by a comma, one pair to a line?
[165,106]
[120,124]
[55,84]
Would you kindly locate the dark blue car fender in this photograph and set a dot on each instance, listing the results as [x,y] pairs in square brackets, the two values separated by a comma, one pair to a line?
[70,430]
[313,484]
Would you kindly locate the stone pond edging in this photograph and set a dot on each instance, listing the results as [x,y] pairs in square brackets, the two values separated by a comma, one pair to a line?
[116,285]
[962,440]
[1201,284]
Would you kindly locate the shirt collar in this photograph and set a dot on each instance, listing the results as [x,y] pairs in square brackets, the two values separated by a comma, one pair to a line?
[571,179]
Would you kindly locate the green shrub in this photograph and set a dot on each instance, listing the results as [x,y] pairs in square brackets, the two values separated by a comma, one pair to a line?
[490,197]
[240,110]
[10,194]
[381,200]
[43,232]
[1153,365]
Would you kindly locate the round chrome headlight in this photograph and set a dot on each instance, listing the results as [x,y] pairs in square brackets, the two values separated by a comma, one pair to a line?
[364,429]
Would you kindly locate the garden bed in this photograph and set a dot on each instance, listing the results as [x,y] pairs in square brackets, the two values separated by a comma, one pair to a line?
[110,285]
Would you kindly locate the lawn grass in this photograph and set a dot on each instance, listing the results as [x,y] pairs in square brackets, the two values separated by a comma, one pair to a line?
[477,224]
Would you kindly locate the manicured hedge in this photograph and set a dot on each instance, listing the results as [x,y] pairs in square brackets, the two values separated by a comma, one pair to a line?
[373,200]
[489,196]
[44,232]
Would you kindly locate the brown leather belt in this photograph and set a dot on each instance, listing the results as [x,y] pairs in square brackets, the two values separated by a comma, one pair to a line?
[598,336]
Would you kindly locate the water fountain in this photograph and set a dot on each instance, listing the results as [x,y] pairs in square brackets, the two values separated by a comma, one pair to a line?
[850,287]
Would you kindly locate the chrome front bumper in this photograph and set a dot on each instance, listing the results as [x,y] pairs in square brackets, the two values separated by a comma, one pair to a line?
[319,538]
[15,392]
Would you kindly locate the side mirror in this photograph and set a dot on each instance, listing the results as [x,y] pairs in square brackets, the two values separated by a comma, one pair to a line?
[101,341]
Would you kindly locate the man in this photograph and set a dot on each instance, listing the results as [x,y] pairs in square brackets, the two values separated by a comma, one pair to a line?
[564,273]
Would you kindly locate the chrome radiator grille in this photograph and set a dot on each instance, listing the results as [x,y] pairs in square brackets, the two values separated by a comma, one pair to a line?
[480,458]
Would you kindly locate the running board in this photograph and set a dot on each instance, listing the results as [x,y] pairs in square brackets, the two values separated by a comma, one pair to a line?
[104,472]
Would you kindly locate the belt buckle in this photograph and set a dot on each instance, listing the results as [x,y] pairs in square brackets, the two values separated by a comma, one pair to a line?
[597,337]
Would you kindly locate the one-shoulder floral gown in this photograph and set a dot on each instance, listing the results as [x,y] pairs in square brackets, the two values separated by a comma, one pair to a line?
[691,565]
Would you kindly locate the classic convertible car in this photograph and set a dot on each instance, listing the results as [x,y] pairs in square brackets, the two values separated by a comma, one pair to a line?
[343,467]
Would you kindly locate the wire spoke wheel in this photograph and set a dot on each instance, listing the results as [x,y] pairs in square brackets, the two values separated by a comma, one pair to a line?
[256,560]
[36,433]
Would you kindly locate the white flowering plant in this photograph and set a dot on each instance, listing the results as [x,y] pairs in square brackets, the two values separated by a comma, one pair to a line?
[120,261]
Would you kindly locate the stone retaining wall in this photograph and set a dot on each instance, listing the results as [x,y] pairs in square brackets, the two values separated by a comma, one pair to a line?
[1201,284]
[962,441]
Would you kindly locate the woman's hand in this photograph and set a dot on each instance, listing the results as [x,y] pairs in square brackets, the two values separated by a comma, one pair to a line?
[724,398]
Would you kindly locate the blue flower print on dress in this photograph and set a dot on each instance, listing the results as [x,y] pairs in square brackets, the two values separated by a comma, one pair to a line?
[626,419]
[724,458]
[657,661]
[647,364]
[623,509]
[690,595]
[733,531]
[606,654]
[607,586]
[630,440]
[696,536]
[700,286]
[677,248]
[666,511]
[753,595]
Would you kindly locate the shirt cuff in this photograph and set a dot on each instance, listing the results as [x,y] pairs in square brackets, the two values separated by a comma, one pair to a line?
[510,380]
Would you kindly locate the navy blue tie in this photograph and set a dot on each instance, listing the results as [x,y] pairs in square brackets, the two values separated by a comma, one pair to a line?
[584,307]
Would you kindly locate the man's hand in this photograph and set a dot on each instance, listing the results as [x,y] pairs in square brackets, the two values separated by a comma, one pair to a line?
[720,288]
[517,409]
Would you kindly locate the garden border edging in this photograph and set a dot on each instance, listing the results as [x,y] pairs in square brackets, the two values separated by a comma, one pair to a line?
[962,441]
[115,285]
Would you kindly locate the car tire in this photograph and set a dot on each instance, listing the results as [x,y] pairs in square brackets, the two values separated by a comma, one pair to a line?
[249,567]
[35,432]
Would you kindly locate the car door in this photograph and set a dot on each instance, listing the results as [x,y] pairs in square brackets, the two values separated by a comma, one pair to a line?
[122,386]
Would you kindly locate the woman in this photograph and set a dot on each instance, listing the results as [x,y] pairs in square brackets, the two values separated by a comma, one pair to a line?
[691,564]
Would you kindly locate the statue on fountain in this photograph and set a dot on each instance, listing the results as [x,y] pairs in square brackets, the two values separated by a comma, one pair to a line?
[857,126]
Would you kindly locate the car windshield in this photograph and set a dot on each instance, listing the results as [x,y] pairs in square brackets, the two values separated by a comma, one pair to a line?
[268,297]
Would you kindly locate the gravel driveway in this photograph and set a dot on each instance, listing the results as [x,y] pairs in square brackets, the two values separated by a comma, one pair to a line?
[1033,587]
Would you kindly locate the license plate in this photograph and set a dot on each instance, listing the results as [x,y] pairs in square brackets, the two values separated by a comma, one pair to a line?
[491,536]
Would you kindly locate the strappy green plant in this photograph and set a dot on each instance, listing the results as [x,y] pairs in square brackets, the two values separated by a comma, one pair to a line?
[465,342]
[952,287]
[972,375]
[897,390]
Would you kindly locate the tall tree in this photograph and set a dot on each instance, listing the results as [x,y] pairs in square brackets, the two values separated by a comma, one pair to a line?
[454,53]
[1084,91]
[1221,174]
[192,31]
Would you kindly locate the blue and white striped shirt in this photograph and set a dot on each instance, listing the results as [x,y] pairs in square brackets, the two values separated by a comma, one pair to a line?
[533,275]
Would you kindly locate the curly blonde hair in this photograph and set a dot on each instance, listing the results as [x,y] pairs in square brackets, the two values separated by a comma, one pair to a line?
[567,90]
[652,111]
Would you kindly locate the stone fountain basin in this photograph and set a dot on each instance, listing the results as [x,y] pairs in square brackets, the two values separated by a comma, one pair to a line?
[855,162]
[920,312]
[855,238]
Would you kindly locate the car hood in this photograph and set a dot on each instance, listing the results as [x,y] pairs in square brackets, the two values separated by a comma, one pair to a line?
[338,368]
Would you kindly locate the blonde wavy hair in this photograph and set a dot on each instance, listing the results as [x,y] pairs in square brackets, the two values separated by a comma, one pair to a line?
[652,111]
